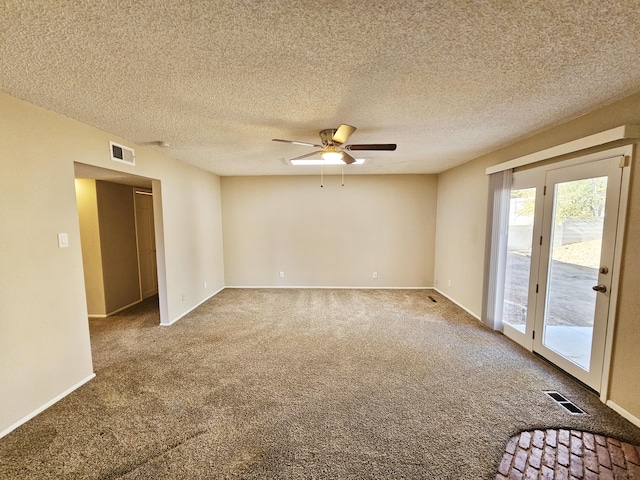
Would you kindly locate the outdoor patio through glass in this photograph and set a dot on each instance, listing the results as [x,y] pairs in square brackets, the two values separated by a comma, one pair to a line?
[518,264]
[577,227]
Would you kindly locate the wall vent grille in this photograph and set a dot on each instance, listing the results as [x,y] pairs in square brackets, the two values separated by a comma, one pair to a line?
[122,154]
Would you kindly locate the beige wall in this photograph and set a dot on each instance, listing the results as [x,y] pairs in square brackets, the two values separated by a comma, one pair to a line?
[116,216]
[330,236]
[462,200]
[87,201]
[191,202]
[44,337]
[460,232]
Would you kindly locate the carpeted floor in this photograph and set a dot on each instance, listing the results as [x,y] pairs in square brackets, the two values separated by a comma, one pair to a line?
[287,384]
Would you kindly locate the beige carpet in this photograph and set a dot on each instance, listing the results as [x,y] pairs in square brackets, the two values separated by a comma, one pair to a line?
[287,384]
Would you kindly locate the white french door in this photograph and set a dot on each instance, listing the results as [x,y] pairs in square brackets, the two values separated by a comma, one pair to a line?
[525,206]
[560,259]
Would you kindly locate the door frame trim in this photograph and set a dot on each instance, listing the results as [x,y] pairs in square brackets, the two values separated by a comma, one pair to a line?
[629,155]
[627,133]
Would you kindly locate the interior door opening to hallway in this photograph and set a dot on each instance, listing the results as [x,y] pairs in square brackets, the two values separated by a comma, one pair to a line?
[116,214]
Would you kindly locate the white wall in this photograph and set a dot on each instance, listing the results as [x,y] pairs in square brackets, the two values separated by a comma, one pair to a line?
[460,241]
[330,236]
[44,337]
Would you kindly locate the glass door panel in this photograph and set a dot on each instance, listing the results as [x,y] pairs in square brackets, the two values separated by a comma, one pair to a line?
[578,236]
[518,261]
[576,232]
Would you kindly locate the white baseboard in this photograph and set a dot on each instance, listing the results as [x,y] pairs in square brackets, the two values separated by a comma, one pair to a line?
[618,409]
[191,309]
[124,308]
[46,405]
[458,304]
[328,287]
[105,315]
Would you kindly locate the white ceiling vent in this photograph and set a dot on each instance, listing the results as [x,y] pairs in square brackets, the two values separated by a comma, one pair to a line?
[122,154]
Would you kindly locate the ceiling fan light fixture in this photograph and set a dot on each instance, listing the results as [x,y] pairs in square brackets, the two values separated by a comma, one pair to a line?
[331,153]
[306,161]
[334,149]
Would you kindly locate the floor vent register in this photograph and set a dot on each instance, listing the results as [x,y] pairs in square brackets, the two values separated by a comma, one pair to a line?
[569,406]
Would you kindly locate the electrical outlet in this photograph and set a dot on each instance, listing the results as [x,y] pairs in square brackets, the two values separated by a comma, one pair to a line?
[437,282]
[204,284]
[184,297]
[375,274]
[448,283]
[281,274]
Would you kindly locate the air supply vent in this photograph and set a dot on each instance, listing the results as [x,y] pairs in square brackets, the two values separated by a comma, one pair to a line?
[568,405]
[122,154]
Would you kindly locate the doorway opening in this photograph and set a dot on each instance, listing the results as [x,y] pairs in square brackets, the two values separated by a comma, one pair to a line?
[117,214]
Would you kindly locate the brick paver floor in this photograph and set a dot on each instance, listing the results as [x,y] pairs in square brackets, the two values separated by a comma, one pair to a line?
[568,455]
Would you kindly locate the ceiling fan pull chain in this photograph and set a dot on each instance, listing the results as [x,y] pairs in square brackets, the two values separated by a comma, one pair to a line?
[342,168]
[321,177]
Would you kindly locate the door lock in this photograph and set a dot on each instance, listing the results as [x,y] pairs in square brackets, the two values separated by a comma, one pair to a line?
[604,270]
[600,288]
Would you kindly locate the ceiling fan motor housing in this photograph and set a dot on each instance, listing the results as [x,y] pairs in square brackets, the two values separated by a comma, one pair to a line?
[327,136]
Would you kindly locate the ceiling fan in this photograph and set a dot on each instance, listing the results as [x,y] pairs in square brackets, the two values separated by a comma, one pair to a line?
[333,145]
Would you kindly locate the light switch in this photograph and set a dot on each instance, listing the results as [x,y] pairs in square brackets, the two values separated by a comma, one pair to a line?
[63,240]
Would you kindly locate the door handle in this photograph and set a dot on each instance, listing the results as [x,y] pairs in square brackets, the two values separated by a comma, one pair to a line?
[600,288]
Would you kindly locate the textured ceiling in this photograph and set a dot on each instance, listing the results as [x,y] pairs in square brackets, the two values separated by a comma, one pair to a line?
[445,80]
